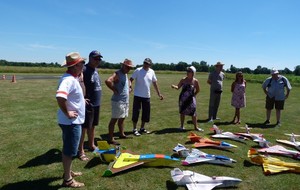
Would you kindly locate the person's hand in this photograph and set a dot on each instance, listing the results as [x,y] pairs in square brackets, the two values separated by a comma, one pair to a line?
[286,96]
[87,101]
[72,114]
[161,97]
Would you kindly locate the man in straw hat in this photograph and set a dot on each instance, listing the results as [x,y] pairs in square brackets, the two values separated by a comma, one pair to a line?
[118,82]
[71,114]
[215,80]
[274,89]
[144,77]
[93,93]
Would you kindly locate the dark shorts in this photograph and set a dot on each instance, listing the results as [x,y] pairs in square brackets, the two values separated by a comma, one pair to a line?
[91,116]
[138,103]
[71,136]
[270,102]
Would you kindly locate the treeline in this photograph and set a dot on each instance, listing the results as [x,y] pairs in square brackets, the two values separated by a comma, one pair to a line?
[201,66]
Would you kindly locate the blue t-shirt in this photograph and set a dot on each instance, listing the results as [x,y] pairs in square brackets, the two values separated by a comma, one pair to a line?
[92,84]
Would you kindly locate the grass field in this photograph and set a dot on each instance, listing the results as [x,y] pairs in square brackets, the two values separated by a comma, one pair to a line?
[31,139]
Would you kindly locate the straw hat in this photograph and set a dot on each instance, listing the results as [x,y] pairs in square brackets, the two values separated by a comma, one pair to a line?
[219,64]
[72,59]
[128,63]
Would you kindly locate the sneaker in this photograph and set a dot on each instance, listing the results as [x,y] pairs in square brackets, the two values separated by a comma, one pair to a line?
[199,129]
[267,122]
[181,129]
[210,121]
[136,133]
[143,130]
[278,124]
[217,118]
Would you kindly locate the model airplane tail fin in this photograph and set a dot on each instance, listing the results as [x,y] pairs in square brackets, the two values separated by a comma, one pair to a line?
[103,145]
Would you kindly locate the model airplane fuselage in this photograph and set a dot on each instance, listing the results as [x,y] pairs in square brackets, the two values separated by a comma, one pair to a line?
[195,180]
[197,156]
[291,142]
[280,150]
[201,142]
[227,135]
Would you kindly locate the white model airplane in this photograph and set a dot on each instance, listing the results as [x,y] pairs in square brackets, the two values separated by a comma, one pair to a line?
[292,141]
[197,156]
[181,150]
[253,136]
[227,135]
[196,181]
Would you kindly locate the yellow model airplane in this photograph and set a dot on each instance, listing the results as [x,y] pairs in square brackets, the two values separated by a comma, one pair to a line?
[272,165]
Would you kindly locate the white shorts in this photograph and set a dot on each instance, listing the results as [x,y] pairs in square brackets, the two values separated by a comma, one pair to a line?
[119,110]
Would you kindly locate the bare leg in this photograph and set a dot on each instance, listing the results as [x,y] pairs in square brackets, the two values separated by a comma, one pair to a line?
[81,143]
[194,119]
[67,164]
[121,126]
[268,114]
[143,125]
[111,127]
[237,110]
[91,136]
[278,115]
[182,117]
[134,125]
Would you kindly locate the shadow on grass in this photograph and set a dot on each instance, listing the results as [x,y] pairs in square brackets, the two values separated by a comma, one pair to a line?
[170,185]
[170,130]
[260,125]
[94,162]
[247,163]
[51,156]
[34,184]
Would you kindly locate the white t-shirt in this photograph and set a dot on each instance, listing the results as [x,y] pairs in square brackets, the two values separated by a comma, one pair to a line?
[70,89]
[143,80]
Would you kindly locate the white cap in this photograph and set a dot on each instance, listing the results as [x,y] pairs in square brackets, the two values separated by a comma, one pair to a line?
[191,68]
[274,71]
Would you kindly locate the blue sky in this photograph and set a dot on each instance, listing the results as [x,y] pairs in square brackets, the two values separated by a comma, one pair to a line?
[243,33]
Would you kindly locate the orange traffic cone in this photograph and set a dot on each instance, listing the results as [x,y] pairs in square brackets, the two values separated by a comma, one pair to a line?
[13,79]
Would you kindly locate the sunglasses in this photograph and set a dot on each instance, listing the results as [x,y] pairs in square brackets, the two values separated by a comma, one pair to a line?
[97,58]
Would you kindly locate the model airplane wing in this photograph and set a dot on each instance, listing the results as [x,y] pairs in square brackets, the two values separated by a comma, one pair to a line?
[196,186]
[290,143]
[127,160]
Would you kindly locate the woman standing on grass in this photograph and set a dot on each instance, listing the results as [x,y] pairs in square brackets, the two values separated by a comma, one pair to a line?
[187,98]
[238,89]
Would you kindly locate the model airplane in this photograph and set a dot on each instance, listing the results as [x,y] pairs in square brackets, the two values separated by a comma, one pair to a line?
[197,156]
[105,152]
[280,150]
[201,142]
[227,135]
[181,150]
[292,141]
[247,134]
[272,165]
[126,160]
[195,181]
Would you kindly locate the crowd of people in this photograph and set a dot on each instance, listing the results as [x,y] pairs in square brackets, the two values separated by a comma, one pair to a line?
[79,99]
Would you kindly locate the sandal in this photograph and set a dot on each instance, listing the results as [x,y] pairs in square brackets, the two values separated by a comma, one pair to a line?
[83,157]
[72,183]
[76,174]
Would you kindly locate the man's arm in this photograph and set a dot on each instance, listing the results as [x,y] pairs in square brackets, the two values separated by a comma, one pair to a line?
[62,103]
[157,90]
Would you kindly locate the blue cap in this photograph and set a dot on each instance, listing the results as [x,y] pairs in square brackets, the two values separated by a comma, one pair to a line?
[95,53]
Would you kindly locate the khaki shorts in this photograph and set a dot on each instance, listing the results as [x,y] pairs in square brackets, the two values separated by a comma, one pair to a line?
[119,110]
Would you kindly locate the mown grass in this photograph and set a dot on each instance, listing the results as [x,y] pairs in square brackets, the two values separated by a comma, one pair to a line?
[31,140]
